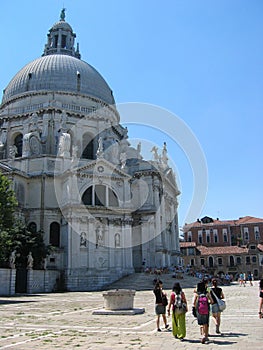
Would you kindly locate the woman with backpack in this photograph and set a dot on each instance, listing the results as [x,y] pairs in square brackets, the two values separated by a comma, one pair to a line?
[201,305]
[216,313]
[178,303]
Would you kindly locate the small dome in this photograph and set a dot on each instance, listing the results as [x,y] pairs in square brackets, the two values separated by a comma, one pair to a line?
[59,73]
[61,25]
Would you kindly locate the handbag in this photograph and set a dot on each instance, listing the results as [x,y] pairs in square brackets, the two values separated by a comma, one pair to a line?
[221,303]
[164,300]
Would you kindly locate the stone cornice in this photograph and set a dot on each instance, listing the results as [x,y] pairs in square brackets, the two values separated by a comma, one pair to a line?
[53,105]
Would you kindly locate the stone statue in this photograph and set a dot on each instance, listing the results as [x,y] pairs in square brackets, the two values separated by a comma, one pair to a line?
[26,146]
[83,239]
[30,261]
[123,158]
[125,133]
[35,145]
[164,155]
[3,137]
[63,122]
[75,152]
[62,14]
[117,240]
[154,150]
[139,148]
[44,134]
[99,236]
[33,123]
[31,144]
[45,263]
[12,259]
[12,151]
[64,145]
[100,148]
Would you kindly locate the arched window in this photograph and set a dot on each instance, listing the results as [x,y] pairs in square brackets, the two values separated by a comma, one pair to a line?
[238,260]
[54,234]
[88,147]
[18,142]
[215,237]
[211,261]
[231,260]
[246,235]
[200,237]
[100,195]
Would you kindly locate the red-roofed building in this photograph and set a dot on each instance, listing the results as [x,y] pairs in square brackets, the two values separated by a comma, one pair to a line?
[224,246]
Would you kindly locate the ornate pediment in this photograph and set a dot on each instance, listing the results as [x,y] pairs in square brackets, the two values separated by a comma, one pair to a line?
[102,167]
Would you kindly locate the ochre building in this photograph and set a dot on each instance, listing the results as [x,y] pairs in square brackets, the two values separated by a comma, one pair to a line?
[224,246]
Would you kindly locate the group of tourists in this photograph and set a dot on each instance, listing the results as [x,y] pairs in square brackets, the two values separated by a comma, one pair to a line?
[243,278]
[205,301]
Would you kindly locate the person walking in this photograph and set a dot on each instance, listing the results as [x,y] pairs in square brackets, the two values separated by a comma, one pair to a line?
[160,308]
[241,280]
[250,279]
[178,303]
[216,313]
[201,302]
[260,313]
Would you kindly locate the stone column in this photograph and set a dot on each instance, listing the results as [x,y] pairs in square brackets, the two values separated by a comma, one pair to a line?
[126,243]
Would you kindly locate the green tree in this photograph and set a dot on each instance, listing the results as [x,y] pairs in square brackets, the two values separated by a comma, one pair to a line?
[25,241]
[14,235]
[8,204]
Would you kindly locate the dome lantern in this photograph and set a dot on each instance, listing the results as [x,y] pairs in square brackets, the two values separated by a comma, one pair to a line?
[61,39]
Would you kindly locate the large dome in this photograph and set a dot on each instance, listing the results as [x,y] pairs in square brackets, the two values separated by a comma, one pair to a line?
[59,72]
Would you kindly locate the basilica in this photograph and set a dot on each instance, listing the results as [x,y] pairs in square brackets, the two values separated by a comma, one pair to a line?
[106,210]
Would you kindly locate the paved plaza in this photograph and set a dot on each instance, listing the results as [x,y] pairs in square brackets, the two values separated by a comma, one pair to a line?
[66,320]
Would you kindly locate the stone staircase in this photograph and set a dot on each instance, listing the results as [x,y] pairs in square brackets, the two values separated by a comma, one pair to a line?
[143,281]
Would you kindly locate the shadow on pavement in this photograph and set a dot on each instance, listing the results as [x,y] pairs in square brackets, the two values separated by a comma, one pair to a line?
[15,299]
[232,334]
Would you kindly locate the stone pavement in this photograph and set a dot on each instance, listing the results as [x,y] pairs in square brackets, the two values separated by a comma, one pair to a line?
[65,320]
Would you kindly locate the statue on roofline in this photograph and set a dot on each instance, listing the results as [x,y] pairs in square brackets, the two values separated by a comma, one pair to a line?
[62,14]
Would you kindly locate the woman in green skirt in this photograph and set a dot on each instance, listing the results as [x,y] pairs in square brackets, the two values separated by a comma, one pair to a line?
[178,303]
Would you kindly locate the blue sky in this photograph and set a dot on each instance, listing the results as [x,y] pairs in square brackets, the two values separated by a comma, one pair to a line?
[200,60]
